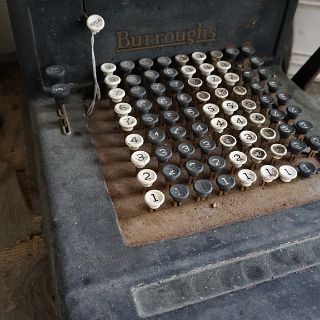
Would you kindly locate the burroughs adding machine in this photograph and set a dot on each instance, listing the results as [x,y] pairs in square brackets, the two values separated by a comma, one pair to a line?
[177,164]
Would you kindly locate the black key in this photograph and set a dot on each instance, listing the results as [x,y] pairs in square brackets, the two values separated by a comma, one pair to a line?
[202,188]
[216,163]
[171,172]
[156,136]
[164,103]
[169,73]
[273,85]
[186,150]
[149,120]
[163,154]
[179,193]
[276,115]
[132,80]
[207,146]
[191,113]
[164,62]
[178,132]
[314,142]
[55,74]
[307,169]
[199,129]
[137,92]
[256,88]
[231,53]
[293,112]
[176,86]
[225,183]
[143,106]
[266,102]
[286,130]
[247,51]
[247,76]
[265,73]
[145,64]
[193,168]
[126,66]
[170,117]
[296,146]
[256,62]
[283,98]
[151,76]
[303,126]
[184,100]
[61,93]
[157,89]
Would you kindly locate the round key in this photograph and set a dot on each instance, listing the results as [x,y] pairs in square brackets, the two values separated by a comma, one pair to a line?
[269,173]
[151,76]
[171,172]
[216,163]
[60,92]
[296,147]
[122,109]
[195,83]
[143,106]
[156,136]
[193,168]
[247,138]
[276,115]
[177,132]
[238,122]
[216,55]
[179,193]
[265,73]
[218,124]
[248,105]
[247,76]
[307,169]
[202,188]
[303,126]
[229,107]
[273,85]
[181,59]
[267,134]
[188,71]
[221,93]
[108,69]
[137,92]
[257,119]
[256,62]
[184,100]
[127,123]
[55,74]
[206,69]
[170,117]
[210,110]
[266,102]
[283,98]
[145,64]
[231,78]
[140,159]
[228,141]
[256,88]
[157,89]
[164,62]
[126,66]
[286,130]
[169,73]
[154,199]
[293,112]
[257,155]
[176,86]
[247,51]
[191,113]
[278,150]
[134,141]
[287,173]
[163,154]
[213,81]
[146,177]
[149,120]
[314,143]
[237,158]
[206,146]
[186,150]
[247,177]
[231,53]
[132,80]
[164,103]
[112,81]
[199,129]
[198,57]
[239,91]
[203,96]
[95,23]
[225,183]
[223,66]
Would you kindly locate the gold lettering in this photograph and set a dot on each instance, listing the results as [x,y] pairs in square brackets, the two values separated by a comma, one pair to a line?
[180,36]
[136,41]
[169,37]
[123,40]
[158,38]
[191,35]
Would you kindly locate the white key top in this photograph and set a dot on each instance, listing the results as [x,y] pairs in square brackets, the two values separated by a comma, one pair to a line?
[127,123]
[287,173]
[278,150]
[108,69]
[116,95]
[210,110]
[218,124]
[216,55]
[239,91]
[238,122]
[269,173]
[248,105]
[195,83]
[134,141]
[188,71]
[267,133]
[146,177]
[112,81]
[122,109]
[228,140]
[181,59]
[257,154]
[206,69]
[248,137]
[95,23]
[140,159]
[231,78]
[229,107]
[237,158]
[223,66]
[203,96]
[213,81]
[221,93]
[199,57]
[257,119]
[247,177]
[154,199]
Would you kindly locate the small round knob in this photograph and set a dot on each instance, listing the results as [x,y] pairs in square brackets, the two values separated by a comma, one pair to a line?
[193,167]
[132,80]
[247,51]
[140,159]
[307,169]
[269,173]
[206,69]
[156,136]
[223,66]
[164,103]
[287,173]
[229,107]
[169,73]
[145,64]
[179,193]
[116,95]
[143,106]
[207,145]
[198,57]
[146,177]
[55,74]
[256,62]
[181,59]
[122,109]
[171,172]
[137,92]
[191,113]
[247,177]
[257,154]
[293,112]
[176,86]
[126,66]
[127,123]
[134,141]
[61,93]
[231,78]
[164,62]
[163,154]
[286,130]
[151,76]
[216,163]
[237,158]
[303,126]
[188,71]
[108,69]
[225,182]
[199,129]
[154,199]
[296,147]
[265,73]
[170,117]
[177,132]
[149,120]
[202,188]
[213,81]
[273,85]
[248,105]
[184,100]
[186,150]
[210,110]
[218,124]
[157,89]
[238,122]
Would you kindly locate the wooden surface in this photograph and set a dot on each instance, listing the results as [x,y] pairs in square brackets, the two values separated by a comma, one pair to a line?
[25,282]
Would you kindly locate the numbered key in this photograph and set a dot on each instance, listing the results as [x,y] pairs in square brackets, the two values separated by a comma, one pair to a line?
[145,64]
[146,177]
[188,71]
[257,155]
[164,62]
[210,110]
[202,188]
[229,107]
[287,173]
[278,151]
[216,164]
[181,59]
[237,160]
[314,144]
[116,95]
[296,147]
[171,173]
[112,81]
[238,122]
[206,69]
[198,58]
[223,66]
[213,81]
[247,178]
[193,168]
[231,79]
[206,146]
[248,138]
[140,159]
[143,106]
[303,127]
[248,105]
[122,109]
[108,69]
[186,150]
[134,141]
[257,119]
[293,112]
[307,169]
[127,123]
[179,193]
[155,136]
[126,67]
[225,183]
[267,134]
[163,155]
[268,174]
[218,124]
[154,199]
[227,142]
